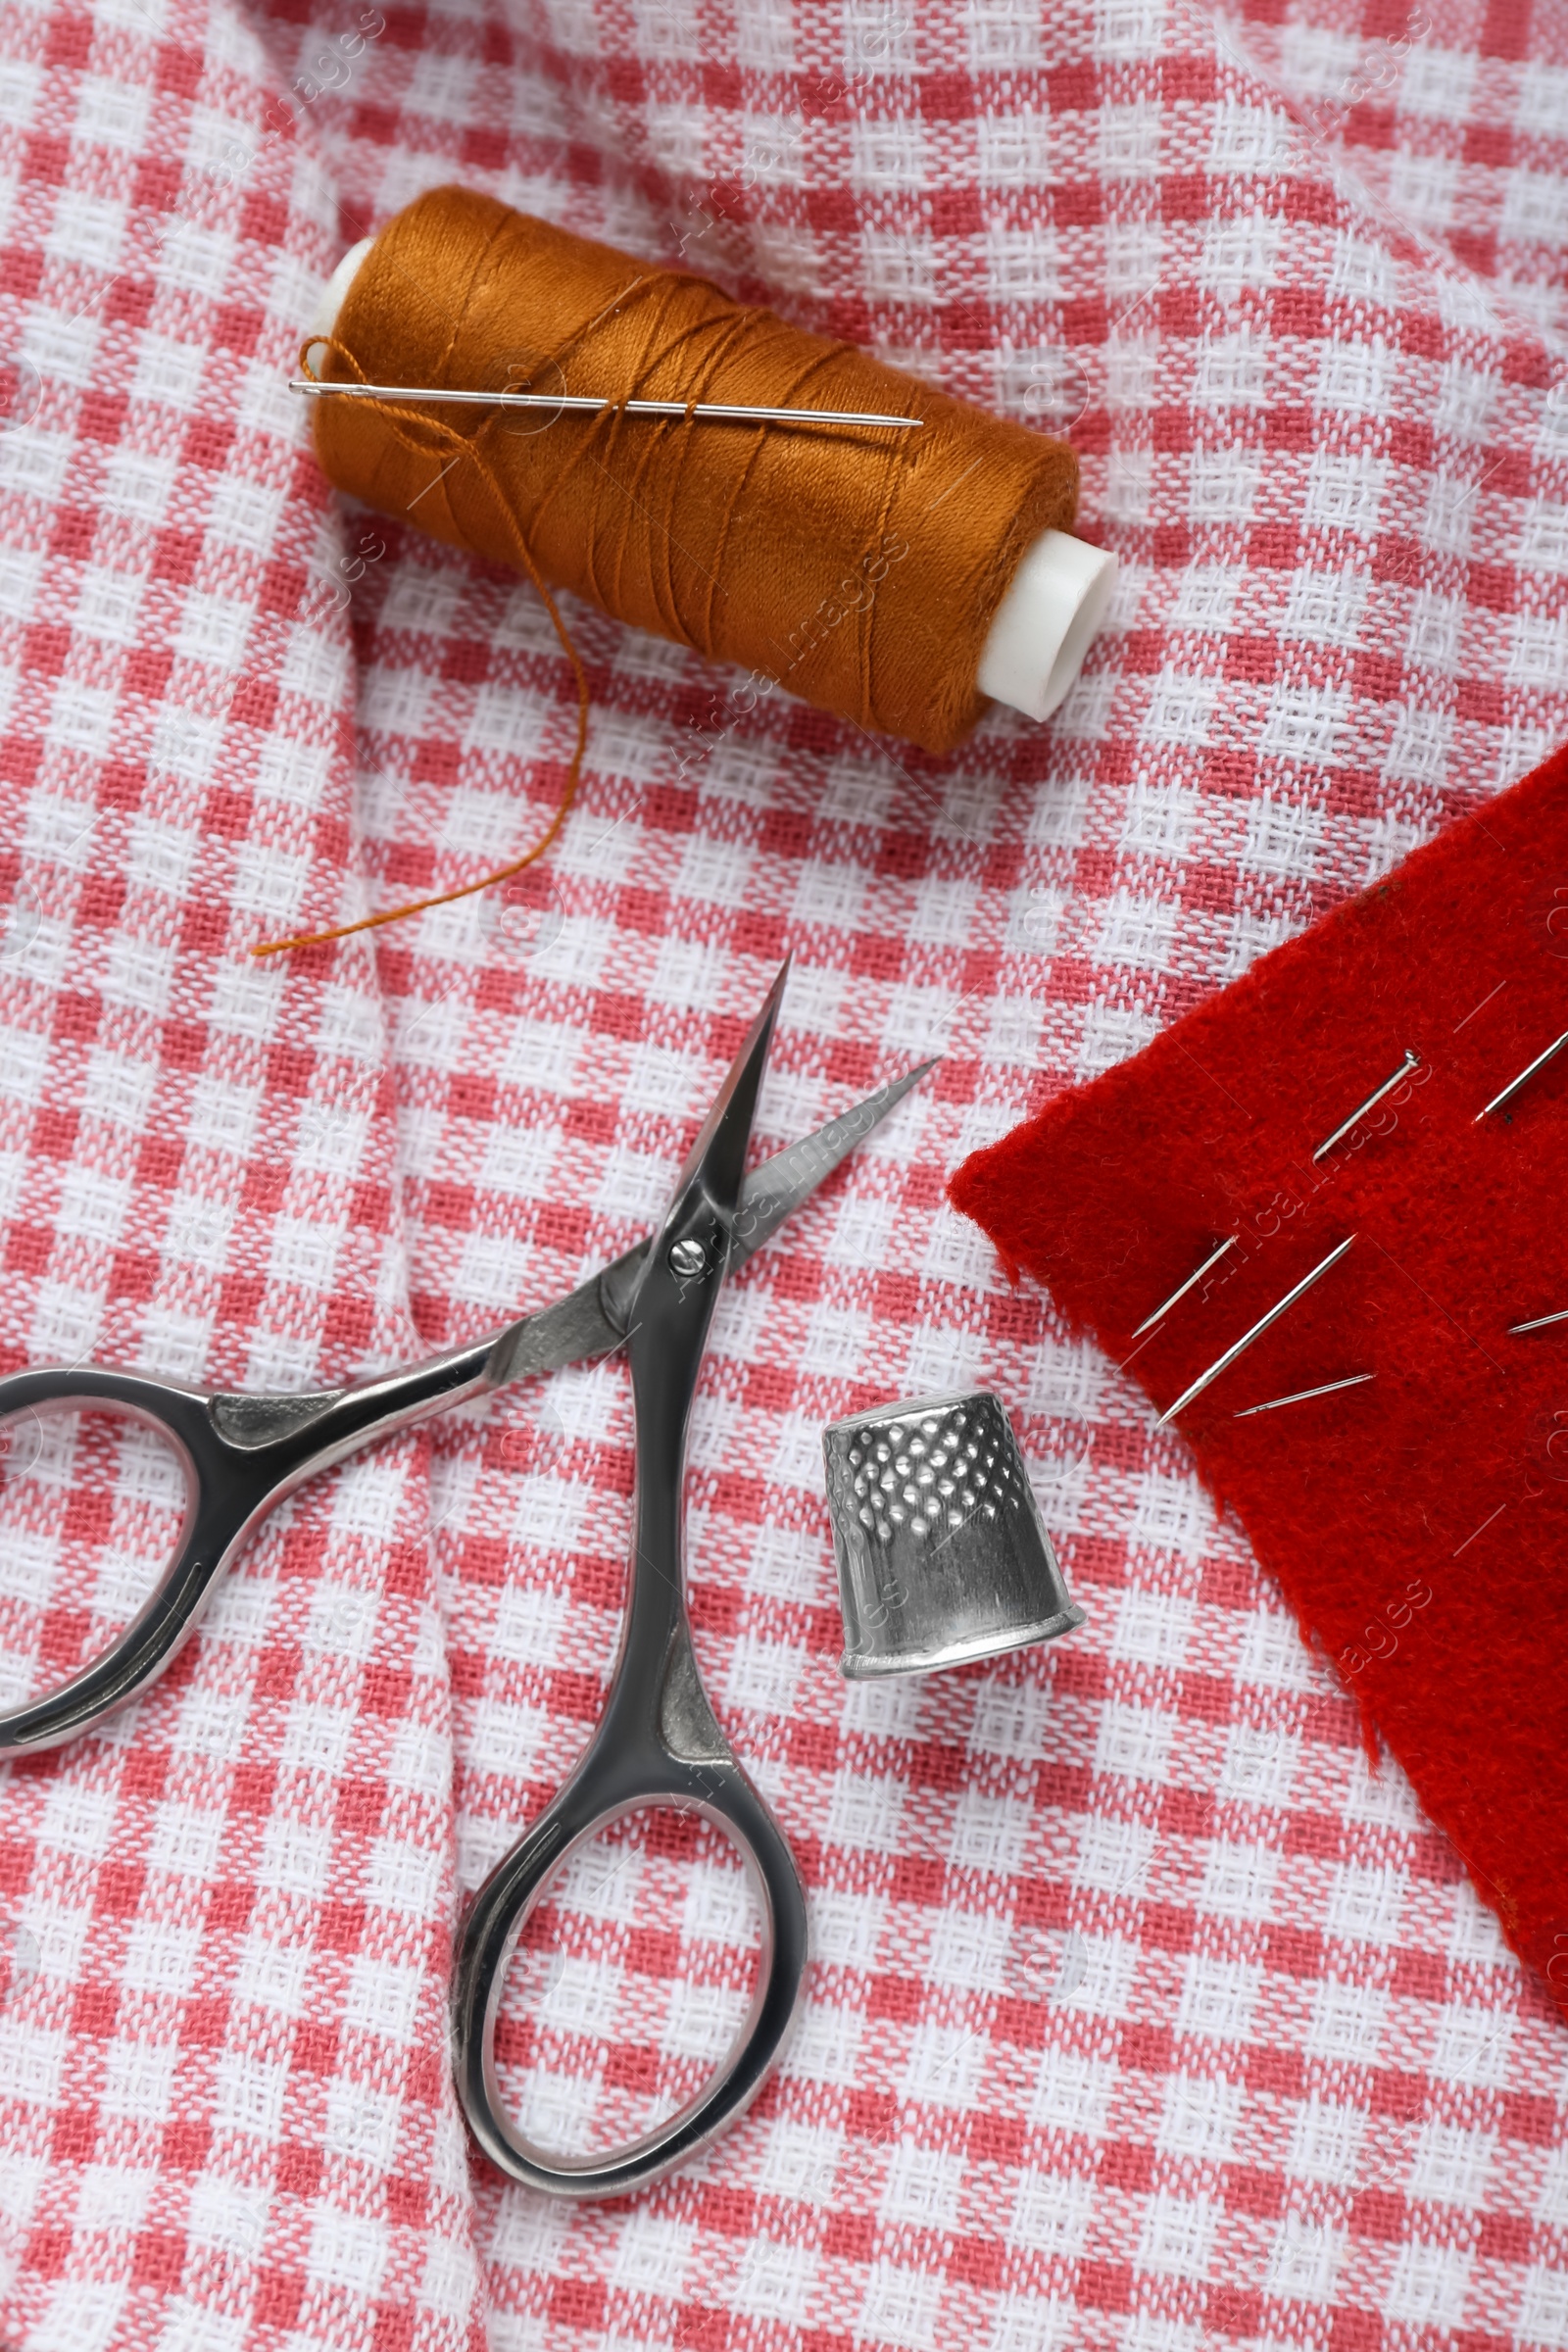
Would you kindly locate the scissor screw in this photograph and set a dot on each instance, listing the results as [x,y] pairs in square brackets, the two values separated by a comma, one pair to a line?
[688,1260]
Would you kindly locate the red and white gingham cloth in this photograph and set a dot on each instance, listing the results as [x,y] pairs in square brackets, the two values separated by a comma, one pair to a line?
[1143,2015]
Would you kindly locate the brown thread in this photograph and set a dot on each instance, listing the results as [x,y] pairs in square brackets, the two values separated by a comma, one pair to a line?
[568,791]
[728,538]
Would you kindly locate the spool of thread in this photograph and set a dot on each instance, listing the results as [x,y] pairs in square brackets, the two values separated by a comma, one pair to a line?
[899,579]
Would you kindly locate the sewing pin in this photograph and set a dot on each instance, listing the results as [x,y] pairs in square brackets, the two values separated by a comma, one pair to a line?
[1177,1296]
[706,410]
[1411,1061]
[1239,1346]
[1300,1396]
[1538,1322]
[1522,1079]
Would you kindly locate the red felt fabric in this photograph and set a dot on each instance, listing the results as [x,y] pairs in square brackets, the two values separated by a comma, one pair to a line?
[1418,1523]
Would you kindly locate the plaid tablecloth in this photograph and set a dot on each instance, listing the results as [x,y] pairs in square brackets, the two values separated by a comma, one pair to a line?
[1142,2014]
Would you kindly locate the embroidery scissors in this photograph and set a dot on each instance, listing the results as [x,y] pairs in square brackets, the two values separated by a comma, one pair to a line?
[657,1742]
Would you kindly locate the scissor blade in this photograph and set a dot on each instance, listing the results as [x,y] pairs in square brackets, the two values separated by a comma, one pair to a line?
[719,1155]
[594,1318]
[775,1190]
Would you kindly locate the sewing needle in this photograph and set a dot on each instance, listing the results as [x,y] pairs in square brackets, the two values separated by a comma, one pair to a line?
[1411,1061]
[1300,1396]
[705,411]
[1514,1084]
[1177,1296]
[1224,1362]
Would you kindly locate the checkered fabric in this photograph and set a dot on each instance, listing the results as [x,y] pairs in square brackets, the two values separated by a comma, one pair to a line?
[1454,115]
[1144,2013]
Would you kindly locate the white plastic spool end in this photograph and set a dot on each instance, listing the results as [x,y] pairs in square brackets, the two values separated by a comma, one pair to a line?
[331,299]
[1045,622]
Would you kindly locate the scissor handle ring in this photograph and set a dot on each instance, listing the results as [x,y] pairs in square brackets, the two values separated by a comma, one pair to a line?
[718,1789]
[170,1614]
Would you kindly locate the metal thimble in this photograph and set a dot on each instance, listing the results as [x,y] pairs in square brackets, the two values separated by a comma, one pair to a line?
[941,1555]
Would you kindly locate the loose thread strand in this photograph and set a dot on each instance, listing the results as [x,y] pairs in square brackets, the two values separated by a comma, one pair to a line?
[568,790]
